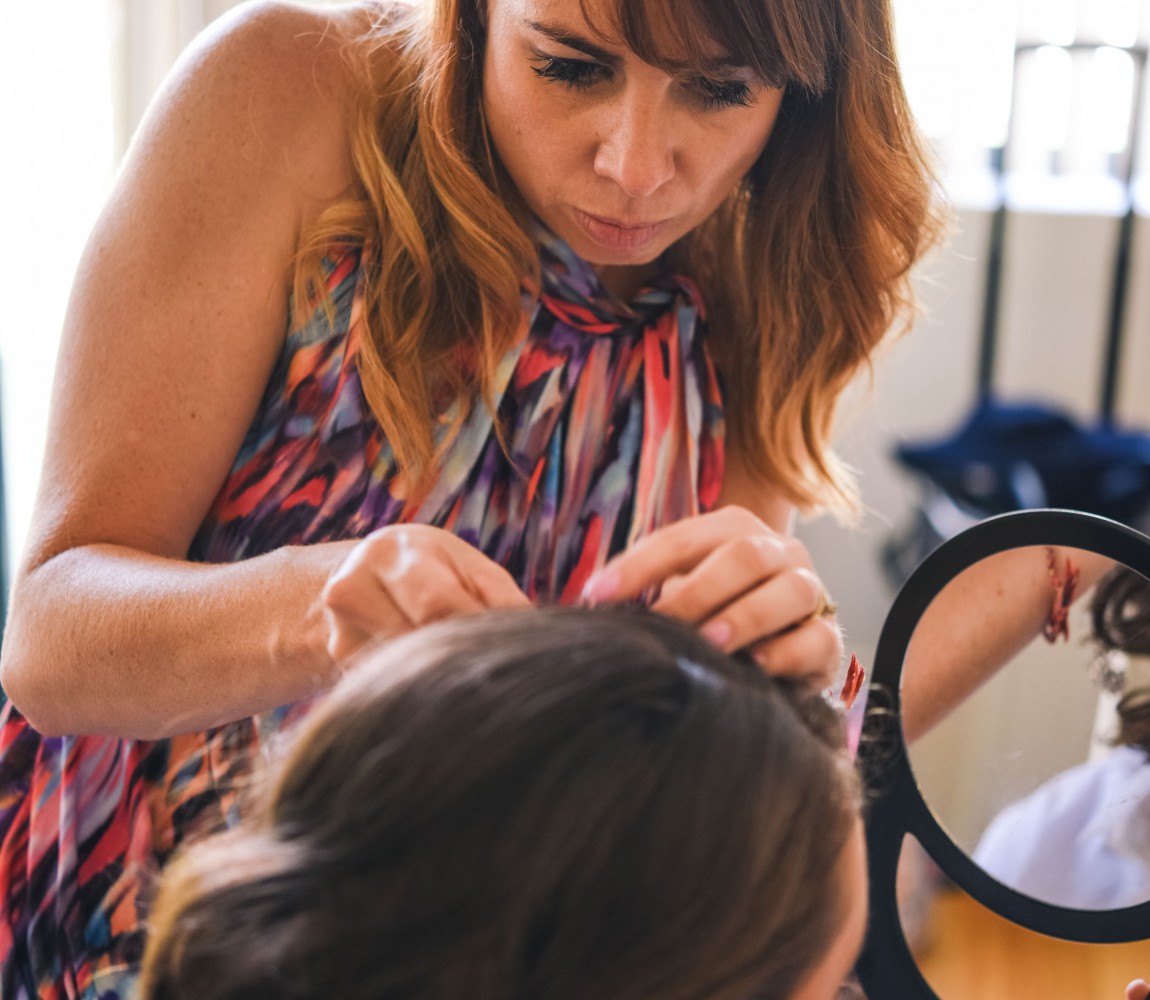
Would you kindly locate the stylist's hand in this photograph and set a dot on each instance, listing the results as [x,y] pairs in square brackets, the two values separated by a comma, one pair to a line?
[1138,990]
[741,582]
[407,575]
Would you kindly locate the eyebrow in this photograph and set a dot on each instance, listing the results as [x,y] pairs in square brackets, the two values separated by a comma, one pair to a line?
[587,47]
[576,42]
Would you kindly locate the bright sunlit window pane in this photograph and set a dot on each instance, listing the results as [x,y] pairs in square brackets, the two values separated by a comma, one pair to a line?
[956,63]
[1072,106]
[1109,87]
[1053,21]
[56,167]
[1046,91]
[1114,22]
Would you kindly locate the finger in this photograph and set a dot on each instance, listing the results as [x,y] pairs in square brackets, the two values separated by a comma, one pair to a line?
[677,549]
[394,581]
[787,599]
[356,593]
[343,638]
[1138,990]
[488,582]
[428,590]
[811,652]
[732,570]
[356,606]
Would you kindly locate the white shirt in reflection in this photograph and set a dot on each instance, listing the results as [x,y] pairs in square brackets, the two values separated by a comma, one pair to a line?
[1080,840]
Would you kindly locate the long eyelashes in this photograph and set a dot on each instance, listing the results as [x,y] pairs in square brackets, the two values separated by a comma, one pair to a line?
[579,74]
[724,94]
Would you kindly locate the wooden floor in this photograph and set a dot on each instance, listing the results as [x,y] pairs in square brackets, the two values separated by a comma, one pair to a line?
[970,953]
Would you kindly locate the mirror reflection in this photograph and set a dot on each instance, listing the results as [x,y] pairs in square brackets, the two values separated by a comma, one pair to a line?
[1028,727]
[945,928]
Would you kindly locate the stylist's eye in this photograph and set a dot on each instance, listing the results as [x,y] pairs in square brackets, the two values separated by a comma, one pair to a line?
[577,74]
[717,94]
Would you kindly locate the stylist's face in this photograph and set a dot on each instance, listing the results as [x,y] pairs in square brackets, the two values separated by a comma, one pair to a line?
[615,156]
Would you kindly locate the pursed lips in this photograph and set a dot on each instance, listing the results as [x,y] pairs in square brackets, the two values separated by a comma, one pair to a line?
[617,233]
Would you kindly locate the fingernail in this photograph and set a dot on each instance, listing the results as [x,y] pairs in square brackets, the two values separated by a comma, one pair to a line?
[600,586]
[717,632]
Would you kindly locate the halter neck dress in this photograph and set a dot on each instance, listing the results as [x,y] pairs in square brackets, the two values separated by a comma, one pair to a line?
[613,421]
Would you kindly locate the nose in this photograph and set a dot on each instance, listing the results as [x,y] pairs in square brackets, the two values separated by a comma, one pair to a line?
[636,150]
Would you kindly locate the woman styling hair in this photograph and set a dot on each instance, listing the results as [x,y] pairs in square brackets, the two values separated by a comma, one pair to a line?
[398,313]
[574,804]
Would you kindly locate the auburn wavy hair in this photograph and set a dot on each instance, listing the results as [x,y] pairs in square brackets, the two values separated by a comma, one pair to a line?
[825,227]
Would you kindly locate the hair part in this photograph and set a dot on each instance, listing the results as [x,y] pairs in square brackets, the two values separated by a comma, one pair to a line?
[555,804]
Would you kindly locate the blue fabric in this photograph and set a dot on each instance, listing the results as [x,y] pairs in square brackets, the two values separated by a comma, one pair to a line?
[1012,456]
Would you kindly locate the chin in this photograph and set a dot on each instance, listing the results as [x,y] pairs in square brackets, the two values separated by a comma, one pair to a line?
[603,258]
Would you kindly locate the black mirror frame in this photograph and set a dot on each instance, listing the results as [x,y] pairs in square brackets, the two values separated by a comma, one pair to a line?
[896,806]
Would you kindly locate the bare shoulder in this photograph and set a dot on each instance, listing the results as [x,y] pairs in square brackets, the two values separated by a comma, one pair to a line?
[180,303]
[271,83]
[288,58]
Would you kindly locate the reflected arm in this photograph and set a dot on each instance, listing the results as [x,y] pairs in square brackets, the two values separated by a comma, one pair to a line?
[977,624]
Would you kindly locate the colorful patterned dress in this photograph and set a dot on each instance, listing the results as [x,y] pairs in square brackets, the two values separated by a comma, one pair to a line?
[613,419]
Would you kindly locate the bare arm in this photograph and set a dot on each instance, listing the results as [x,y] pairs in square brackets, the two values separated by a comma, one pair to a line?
[109,639]
[979,622]
[176,317]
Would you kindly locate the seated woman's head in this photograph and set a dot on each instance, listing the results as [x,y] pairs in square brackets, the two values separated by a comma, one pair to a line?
[564,804]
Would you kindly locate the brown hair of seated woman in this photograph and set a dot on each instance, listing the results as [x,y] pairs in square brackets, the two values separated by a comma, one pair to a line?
[551,804]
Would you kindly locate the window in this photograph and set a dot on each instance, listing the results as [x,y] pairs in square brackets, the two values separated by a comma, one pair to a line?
[1072,107]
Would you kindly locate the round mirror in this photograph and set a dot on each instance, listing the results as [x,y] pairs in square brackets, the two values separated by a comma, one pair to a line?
[996,740]
[1031,750]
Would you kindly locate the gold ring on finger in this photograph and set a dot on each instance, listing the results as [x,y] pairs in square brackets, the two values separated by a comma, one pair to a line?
[825,608]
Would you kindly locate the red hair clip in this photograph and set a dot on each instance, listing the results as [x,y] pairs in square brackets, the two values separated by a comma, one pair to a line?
[853,683]
[1057,625]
